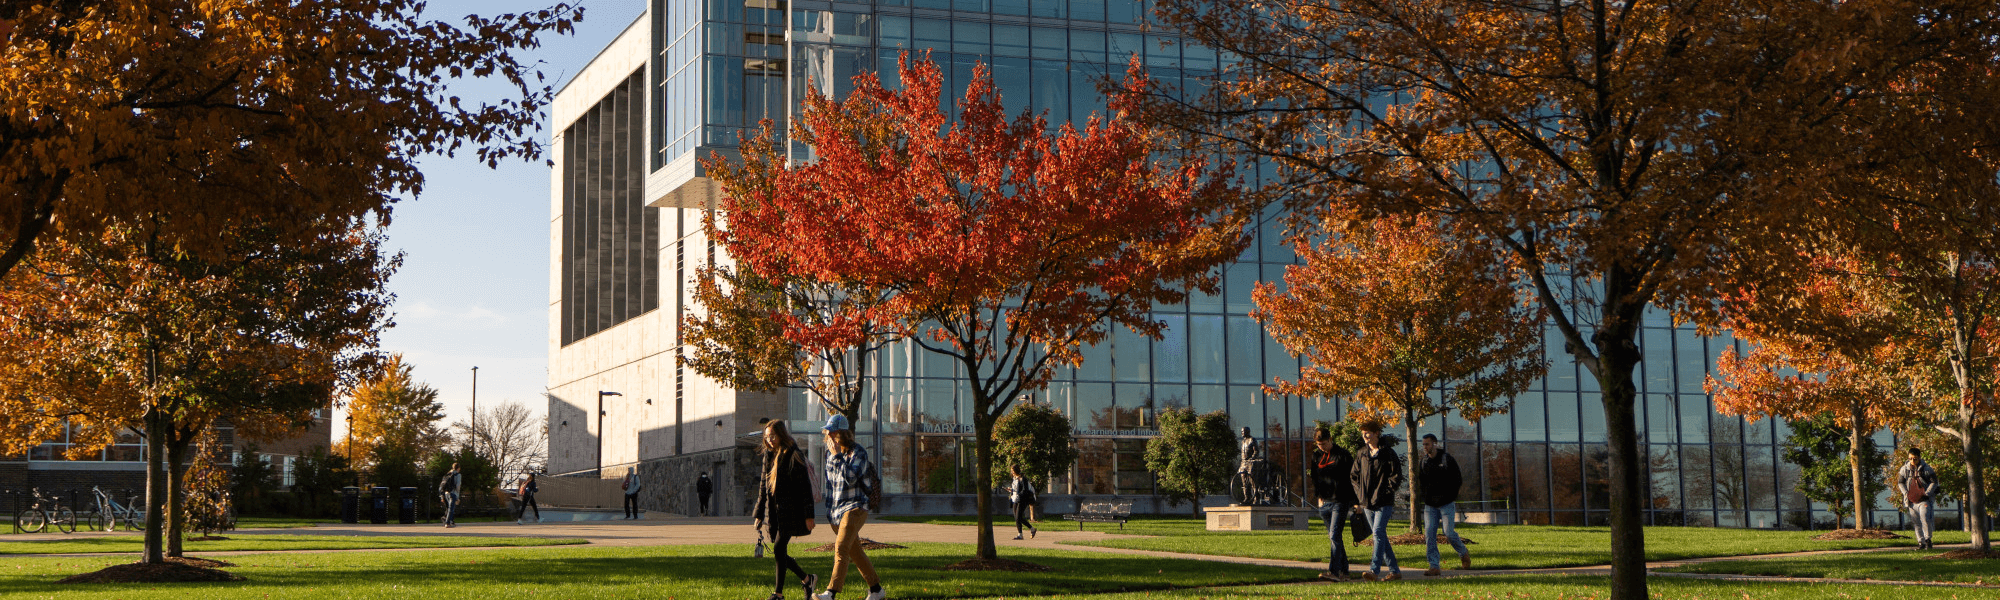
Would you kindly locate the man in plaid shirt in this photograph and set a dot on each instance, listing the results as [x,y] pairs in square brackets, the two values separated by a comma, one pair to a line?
[852,485]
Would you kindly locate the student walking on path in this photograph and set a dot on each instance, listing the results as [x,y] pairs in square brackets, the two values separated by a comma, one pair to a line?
[852,485]
[1439,478]
[1378,473]
[1333,487]
[528,490]
[448,490]
[784,508]
[632,487]
[1919,484]
[1022,494]
[703,489]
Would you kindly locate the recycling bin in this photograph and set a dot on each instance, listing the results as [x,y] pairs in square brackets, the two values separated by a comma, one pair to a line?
[350,504]
[378,509]
[406,506]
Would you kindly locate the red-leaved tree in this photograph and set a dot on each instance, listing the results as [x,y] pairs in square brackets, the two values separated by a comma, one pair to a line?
[1003,244]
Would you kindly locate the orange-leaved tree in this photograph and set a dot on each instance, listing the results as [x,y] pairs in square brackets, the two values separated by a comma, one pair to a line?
[794,332]
[1828,346]
[1408,322]
[1000,243]
[1627,155]
[393,418]
[226,111]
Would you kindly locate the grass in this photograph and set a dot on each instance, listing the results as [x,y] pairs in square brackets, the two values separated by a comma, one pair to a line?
[1879,566]
[713,572]
[256,543]
[1497,547]
[280,522]
[1553,587]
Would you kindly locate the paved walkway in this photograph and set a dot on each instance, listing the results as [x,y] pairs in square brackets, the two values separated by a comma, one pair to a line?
[737,530]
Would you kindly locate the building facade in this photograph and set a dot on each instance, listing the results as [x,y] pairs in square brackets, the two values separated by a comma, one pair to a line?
[687,78]
[120,469]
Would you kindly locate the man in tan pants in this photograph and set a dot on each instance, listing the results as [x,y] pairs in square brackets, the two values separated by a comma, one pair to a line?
[851,482]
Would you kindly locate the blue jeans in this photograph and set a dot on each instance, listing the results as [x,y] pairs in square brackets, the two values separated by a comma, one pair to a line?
[1336,520]
[1385,552]
[1432,516]
[1920,513]
[451,507]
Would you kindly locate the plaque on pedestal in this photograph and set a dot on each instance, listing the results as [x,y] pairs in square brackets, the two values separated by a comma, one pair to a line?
[1237,517]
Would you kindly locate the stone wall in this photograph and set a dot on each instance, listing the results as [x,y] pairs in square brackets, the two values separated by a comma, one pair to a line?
[670,481]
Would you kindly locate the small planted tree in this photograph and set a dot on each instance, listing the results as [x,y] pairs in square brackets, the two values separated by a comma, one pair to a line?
[206,486]
[1035,437]
[1193,456]
[1820,446]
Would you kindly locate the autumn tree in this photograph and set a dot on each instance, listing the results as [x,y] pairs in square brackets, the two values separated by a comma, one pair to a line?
[1825,348]
[1037,438]
[1001,244]
[1408,323]
[1622,155]
[766,332]
[393,414]
[223,111]
[209,504]
[1193,456]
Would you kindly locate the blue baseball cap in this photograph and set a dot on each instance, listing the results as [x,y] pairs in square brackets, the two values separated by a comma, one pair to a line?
[835,423]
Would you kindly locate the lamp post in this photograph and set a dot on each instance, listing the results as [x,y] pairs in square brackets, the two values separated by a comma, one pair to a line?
[350,448]
[600,429]
[475,408]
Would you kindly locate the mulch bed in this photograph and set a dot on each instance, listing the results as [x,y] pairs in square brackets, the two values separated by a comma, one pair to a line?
[1859,534]
[175,570]
[207,538]
[1967,554]
[998,564]
[866,544]
[1414,539]
[200,562]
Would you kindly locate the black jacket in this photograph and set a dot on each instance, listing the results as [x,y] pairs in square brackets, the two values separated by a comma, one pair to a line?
[1438,479]
[1333,476]
[785,504]
[1376,478]
[703,487]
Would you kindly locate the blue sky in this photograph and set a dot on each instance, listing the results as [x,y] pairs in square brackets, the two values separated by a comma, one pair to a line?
[474,287]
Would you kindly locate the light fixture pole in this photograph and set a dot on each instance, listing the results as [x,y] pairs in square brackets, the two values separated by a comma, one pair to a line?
[600,429]
[475,408]
[351,468]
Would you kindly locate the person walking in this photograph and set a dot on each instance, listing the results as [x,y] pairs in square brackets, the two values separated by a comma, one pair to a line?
[1022,494]
[851,487]
[448,491]
[1333,488]
[528,490]
[703,489]
[784,508]
[631,487]
[1919,484]
[1378,473]
[1439,478]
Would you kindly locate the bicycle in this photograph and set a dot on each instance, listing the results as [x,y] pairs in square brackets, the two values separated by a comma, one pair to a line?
[45,511]
[110,513]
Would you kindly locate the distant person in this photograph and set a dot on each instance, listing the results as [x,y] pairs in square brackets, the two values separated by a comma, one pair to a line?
[704,489]
[631,487]
[851,489]
[1333,487]
[784,508]
[1439,477]
[1022,493]
[1378,473]
[448,490]
[1919,484]
[528,490]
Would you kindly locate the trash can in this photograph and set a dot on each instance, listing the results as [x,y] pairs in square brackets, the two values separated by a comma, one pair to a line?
[350,504]
[378,511]
[406,506]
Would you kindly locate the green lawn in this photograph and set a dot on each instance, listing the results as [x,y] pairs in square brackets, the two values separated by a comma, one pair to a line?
[1550,587]
[715,572]
[136,543]
[280,522]
[1496,547]
[1883,566]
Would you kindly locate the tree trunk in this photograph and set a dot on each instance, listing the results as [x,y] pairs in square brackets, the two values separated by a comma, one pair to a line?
[1854,427]
[156,485]
[176,494]
[1410,461]
[1617,359]
[1973,511]
[982,470]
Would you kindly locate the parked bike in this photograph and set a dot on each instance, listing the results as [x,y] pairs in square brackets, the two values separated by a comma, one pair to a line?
[110,513]
[46,510]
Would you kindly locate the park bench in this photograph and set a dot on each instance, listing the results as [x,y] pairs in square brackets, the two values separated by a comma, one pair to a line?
[1102,512]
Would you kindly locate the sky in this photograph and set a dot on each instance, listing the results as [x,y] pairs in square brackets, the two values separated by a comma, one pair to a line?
[474,286]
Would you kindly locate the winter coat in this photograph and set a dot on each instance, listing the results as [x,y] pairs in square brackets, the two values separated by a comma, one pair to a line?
[785,503]
[1376,478]
[1333,476]
[1439,479]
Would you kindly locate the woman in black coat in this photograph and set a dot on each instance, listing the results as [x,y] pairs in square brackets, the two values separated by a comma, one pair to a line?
[784,503]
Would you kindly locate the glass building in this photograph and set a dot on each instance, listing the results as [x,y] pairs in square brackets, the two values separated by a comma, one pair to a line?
[691,76]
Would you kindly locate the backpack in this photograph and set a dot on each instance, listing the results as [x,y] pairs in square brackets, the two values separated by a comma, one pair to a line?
[871,484]
[1913,489]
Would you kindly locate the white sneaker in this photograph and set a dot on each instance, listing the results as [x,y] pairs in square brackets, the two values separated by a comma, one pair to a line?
[823,596]
[877,595]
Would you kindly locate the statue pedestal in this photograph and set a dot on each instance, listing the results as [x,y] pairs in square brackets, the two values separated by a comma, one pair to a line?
[1236,517]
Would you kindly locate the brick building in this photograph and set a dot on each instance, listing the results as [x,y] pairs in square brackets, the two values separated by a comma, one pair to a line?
[121,469]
